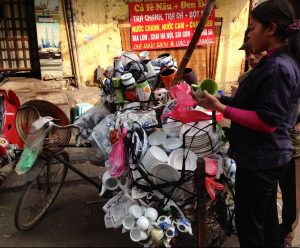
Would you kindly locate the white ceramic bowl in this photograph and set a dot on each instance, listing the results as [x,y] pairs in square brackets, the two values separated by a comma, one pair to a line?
[154,156]
[176,159]
[157,138]
[172,144]
[172,128]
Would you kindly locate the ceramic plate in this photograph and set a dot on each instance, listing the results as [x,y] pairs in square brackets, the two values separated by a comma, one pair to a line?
[164,173]
[157,138]
[195,130]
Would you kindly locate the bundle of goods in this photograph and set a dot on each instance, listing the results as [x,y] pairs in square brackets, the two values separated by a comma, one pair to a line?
[152,143]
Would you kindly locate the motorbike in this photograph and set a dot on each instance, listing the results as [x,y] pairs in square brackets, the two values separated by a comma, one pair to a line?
[11,144]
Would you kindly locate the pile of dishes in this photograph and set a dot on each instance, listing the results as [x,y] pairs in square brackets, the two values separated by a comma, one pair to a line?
[200,138]
[153,157]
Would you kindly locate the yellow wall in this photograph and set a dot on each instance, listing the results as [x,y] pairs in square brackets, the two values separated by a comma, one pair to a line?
[98,36]
[64,44]
[235,20]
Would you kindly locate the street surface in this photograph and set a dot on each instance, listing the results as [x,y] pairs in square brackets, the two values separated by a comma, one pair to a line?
[66,225]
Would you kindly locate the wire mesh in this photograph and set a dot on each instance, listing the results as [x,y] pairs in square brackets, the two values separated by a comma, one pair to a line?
[171,189]
[57,137]
[25,116]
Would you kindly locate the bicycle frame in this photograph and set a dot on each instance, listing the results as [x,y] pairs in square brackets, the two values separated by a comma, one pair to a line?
[74,169]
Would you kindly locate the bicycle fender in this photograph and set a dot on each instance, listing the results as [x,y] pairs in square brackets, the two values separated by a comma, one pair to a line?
[35,170]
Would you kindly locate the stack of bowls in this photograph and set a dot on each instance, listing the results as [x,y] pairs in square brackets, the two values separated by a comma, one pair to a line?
[172,128]
[154,156]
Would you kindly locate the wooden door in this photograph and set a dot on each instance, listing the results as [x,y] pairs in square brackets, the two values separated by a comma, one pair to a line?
[18,42]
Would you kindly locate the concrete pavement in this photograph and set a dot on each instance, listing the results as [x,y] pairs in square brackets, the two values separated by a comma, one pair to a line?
[66,224]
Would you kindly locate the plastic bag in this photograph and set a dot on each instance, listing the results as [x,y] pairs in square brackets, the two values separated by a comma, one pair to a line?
[182,92]
[91,118]
[184,101]
[32,148]
[99,137]
[117,157]
[211,185]
[211,169]
[185,115]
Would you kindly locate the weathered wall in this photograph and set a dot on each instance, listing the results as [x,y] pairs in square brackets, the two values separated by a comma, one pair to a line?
[98,36]
[235,20]
[64,44]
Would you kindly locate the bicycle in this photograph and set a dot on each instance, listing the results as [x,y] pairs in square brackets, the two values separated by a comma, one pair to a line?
[44,182]
[48,174]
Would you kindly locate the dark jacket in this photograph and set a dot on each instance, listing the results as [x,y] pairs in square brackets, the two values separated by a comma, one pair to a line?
[272,90]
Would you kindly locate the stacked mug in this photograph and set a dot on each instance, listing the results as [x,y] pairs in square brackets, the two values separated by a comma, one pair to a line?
[139,221]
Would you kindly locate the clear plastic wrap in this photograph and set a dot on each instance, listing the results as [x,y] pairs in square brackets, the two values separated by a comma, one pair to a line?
[33,147]
[91,118]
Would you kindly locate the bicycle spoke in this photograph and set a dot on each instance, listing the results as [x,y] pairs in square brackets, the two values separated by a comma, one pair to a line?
[38,196]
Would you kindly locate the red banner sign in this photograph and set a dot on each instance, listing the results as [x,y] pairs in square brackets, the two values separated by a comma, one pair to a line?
[168,24]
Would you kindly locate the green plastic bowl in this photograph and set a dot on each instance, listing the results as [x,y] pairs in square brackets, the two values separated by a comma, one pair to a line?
[209,85]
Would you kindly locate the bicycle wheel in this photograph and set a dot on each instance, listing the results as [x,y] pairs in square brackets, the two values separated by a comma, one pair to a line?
[39,194]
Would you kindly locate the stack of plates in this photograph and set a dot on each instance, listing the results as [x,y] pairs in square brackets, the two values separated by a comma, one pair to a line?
[201,139]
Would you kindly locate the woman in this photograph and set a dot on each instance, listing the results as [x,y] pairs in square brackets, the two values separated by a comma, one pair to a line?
[262,111]
[251,57]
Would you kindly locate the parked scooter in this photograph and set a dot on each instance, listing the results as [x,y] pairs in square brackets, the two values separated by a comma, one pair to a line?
[11,144]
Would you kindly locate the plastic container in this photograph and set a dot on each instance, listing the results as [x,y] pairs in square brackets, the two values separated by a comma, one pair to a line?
[79,110]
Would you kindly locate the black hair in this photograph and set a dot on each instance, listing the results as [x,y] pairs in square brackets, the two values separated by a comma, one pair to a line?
[282,14]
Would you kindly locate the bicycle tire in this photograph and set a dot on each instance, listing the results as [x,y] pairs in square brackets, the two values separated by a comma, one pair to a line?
[39,194]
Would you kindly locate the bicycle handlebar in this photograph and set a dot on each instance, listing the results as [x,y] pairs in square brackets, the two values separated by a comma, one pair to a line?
[52,124]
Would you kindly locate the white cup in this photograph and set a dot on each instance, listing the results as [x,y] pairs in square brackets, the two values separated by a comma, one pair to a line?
[128,222]
[144,55]
[171,232]
[151,214]
[143,223]
[143,208]
[108,181]
[107,165]
[135,211]
[151,75]
[123,183]
[184,225]
[137,235]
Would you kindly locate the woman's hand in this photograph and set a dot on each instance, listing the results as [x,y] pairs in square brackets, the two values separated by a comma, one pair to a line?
[208,102]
